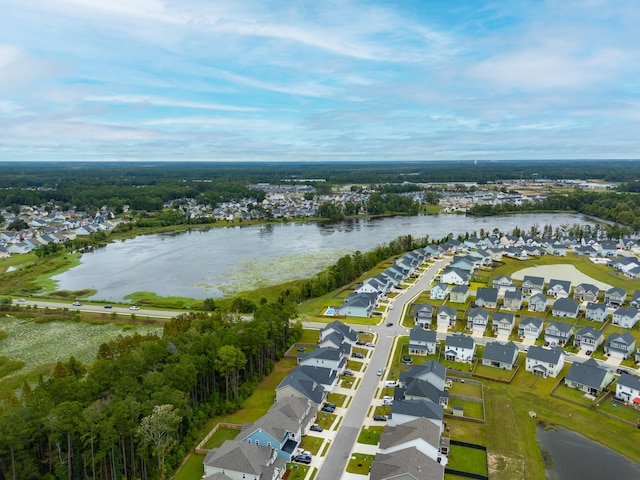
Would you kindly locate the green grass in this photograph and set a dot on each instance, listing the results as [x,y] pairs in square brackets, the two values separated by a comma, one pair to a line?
[470,409]
[360,463]
[354,365]
[574,394]
[470,460]
[325,420]
[467,389]
[337,398]
[298,471]
[220,436]
[370,435]
[311,443]
[492,372]
[192,469]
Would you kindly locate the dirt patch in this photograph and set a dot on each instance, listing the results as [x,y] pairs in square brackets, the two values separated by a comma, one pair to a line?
[502,467]
[559,272]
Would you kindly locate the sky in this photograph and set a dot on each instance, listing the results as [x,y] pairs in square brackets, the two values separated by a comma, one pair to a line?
[319,80]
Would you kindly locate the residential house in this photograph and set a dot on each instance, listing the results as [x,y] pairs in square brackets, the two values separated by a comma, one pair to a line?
[454,276]
[423,315]
[325,357]
[483,257]
[348,334]
[500,355]
[503,282]
[530,327]
[513,300]
[638,355]
[544,362]
[590,377]
[236,460]
[439,291]
[446,317]
[532,285]
[557,248]
[585,292]
[336,340]
[620,345]
[588,338]
[586,250]
[431,371]
[459,348]
[487,297]
[466,264]
[459,294]
[565,307]
[615,296]
[478,319]
[503,323]
[419,433]
[404,411]
[558,333]
[418,389]
[538,303]
[406,464]
[608,249]
[422,342]
[559,288]
[300,384]
[358,305]
[628,388]
[635,300]
[626,317]
[596,312]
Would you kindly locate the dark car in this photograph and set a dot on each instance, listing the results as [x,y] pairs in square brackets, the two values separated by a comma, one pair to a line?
[588,352]
[389,324]
[377,314]
[380,418]
[316,428]
[357,355]
[348,373]
[108,306]
[360,342]
[302,459]
[328,409]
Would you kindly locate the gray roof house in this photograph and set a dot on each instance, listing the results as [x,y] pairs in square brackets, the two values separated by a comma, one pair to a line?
[628,388]
[544,362]
[635,299]
[478,319]
[503,323]
[459,294]
[459,348]
[596,312]
[299,384]
[431,371]
[589,377]
[487,297]
[626,317]
[530,327]
[423,315]
[559,288]
[537,302]
[565,307]
[532,285]
[419,433]
[502,281]
[585,292]
[439,291]
[403,411]
[588,338]
[326,357]
[446,316]
[406,464]
[358,305]
[558,333]
[235,459]
[418,389]
[422,342]
[513,300]
[620,345]
[500,355]
[455,276]
[615,296]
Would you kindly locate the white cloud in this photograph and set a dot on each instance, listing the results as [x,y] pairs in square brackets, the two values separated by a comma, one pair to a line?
[166,102]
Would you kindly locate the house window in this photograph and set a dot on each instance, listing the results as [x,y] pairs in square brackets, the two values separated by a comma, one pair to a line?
[249,440]
[269,444]
[257,442]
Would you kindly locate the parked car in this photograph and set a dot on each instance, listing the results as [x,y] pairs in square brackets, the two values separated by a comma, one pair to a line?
[328,409]
[316,428]
[357,355]
[371,344]
[377,314]
[380,418]
[360,342]
[588,352]
[302,459]
[348,373]
[77,304]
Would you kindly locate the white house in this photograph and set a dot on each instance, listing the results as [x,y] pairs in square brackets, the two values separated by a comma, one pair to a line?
[544,362]
[459,348]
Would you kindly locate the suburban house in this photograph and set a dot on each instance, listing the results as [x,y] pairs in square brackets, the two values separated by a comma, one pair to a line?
[478,319]
[358,305]
[500,355]
[532,285]
[467,264]
[608,249]
[558,333]
[565,307]
[433,372]
[446,317]
[503,282]
[423,315]
[620,345]
[422,342]
[407,464]
[588,338]
[513,300]
[628,388]
[559,288]
[544,362]
[336,340]
[626,317]
[459,294]
[614,297]
[503,323]
[538,302]
[487,297]
[282,427]
[530,327]
[300,384]
[237,460]
[596,312]
[586,250]
[348,334]
[419,433]
[589,377]
[459,348]
[585,292]
[439,291]
[557,248]
[417,389]
[638,355]
[403,411]
[455,276]
[635,299]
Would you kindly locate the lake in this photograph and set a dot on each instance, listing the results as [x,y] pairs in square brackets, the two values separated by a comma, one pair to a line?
[575,456]
[220,261]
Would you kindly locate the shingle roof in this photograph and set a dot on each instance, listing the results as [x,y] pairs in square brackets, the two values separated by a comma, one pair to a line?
[423,389]
[589,332]
[419,334]
[420,428]
[589,373]
[499,352]
[409,463]
[462,341]
[418,408]
[546,355]
[630,381]
[535,321]
[240,457]
[487,294]
[566,305]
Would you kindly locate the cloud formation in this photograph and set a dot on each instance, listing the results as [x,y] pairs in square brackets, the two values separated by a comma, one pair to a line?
[308,80]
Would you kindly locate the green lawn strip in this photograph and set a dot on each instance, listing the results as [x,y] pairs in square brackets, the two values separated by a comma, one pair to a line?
[620,410]
[470,409]
[191,469]
[311,443]
[573,394]
[308,336]
[360,463]
[220,436]
[370,435]
[382,410]
[325,420]
[298,471]
[492,372]
[337,426]
[337,398]
[347,382]
[466,389]
[469,460]
[314,472]
[325,449]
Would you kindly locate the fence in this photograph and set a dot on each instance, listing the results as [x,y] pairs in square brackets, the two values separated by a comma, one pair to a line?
[200,450]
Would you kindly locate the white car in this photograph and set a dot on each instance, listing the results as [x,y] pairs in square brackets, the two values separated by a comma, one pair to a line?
[134,307]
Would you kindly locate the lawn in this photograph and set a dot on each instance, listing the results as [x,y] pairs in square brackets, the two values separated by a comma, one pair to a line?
[468,389]
[298,471]
[337,398]
[469,460]
[312,444]
[471,409]
[625,412]
[220,436]
[354,365]
[574,394]
[325,420]
[370,435]
[360,463]
[493,372]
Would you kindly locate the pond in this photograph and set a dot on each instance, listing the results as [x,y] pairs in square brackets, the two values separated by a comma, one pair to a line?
[575,456]
[221,261]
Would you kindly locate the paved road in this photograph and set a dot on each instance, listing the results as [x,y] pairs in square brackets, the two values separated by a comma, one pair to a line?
[99,308]
[337,457]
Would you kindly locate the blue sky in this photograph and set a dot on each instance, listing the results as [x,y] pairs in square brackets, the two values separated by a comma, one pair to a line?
[274,80]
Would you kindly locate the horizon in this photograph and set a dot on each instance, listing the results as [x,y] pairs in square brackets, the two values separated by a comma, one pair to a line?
[337,81]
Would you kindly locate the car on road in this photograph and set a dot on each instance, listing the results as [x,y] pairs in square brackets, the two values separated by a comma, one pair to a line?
[379,372]
[306,459]
[77,304]
[389,324]
[407,360]
[316,428]
[134,307]
[22,300]
[108,306]
[357,355]
[380,418]
[390,307]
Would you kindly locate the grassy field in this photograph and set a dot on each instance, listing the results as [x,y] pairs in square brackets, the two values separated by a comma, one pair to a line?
[360,463]
[470,460]
[370,435]
[220,436]
[470,409]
